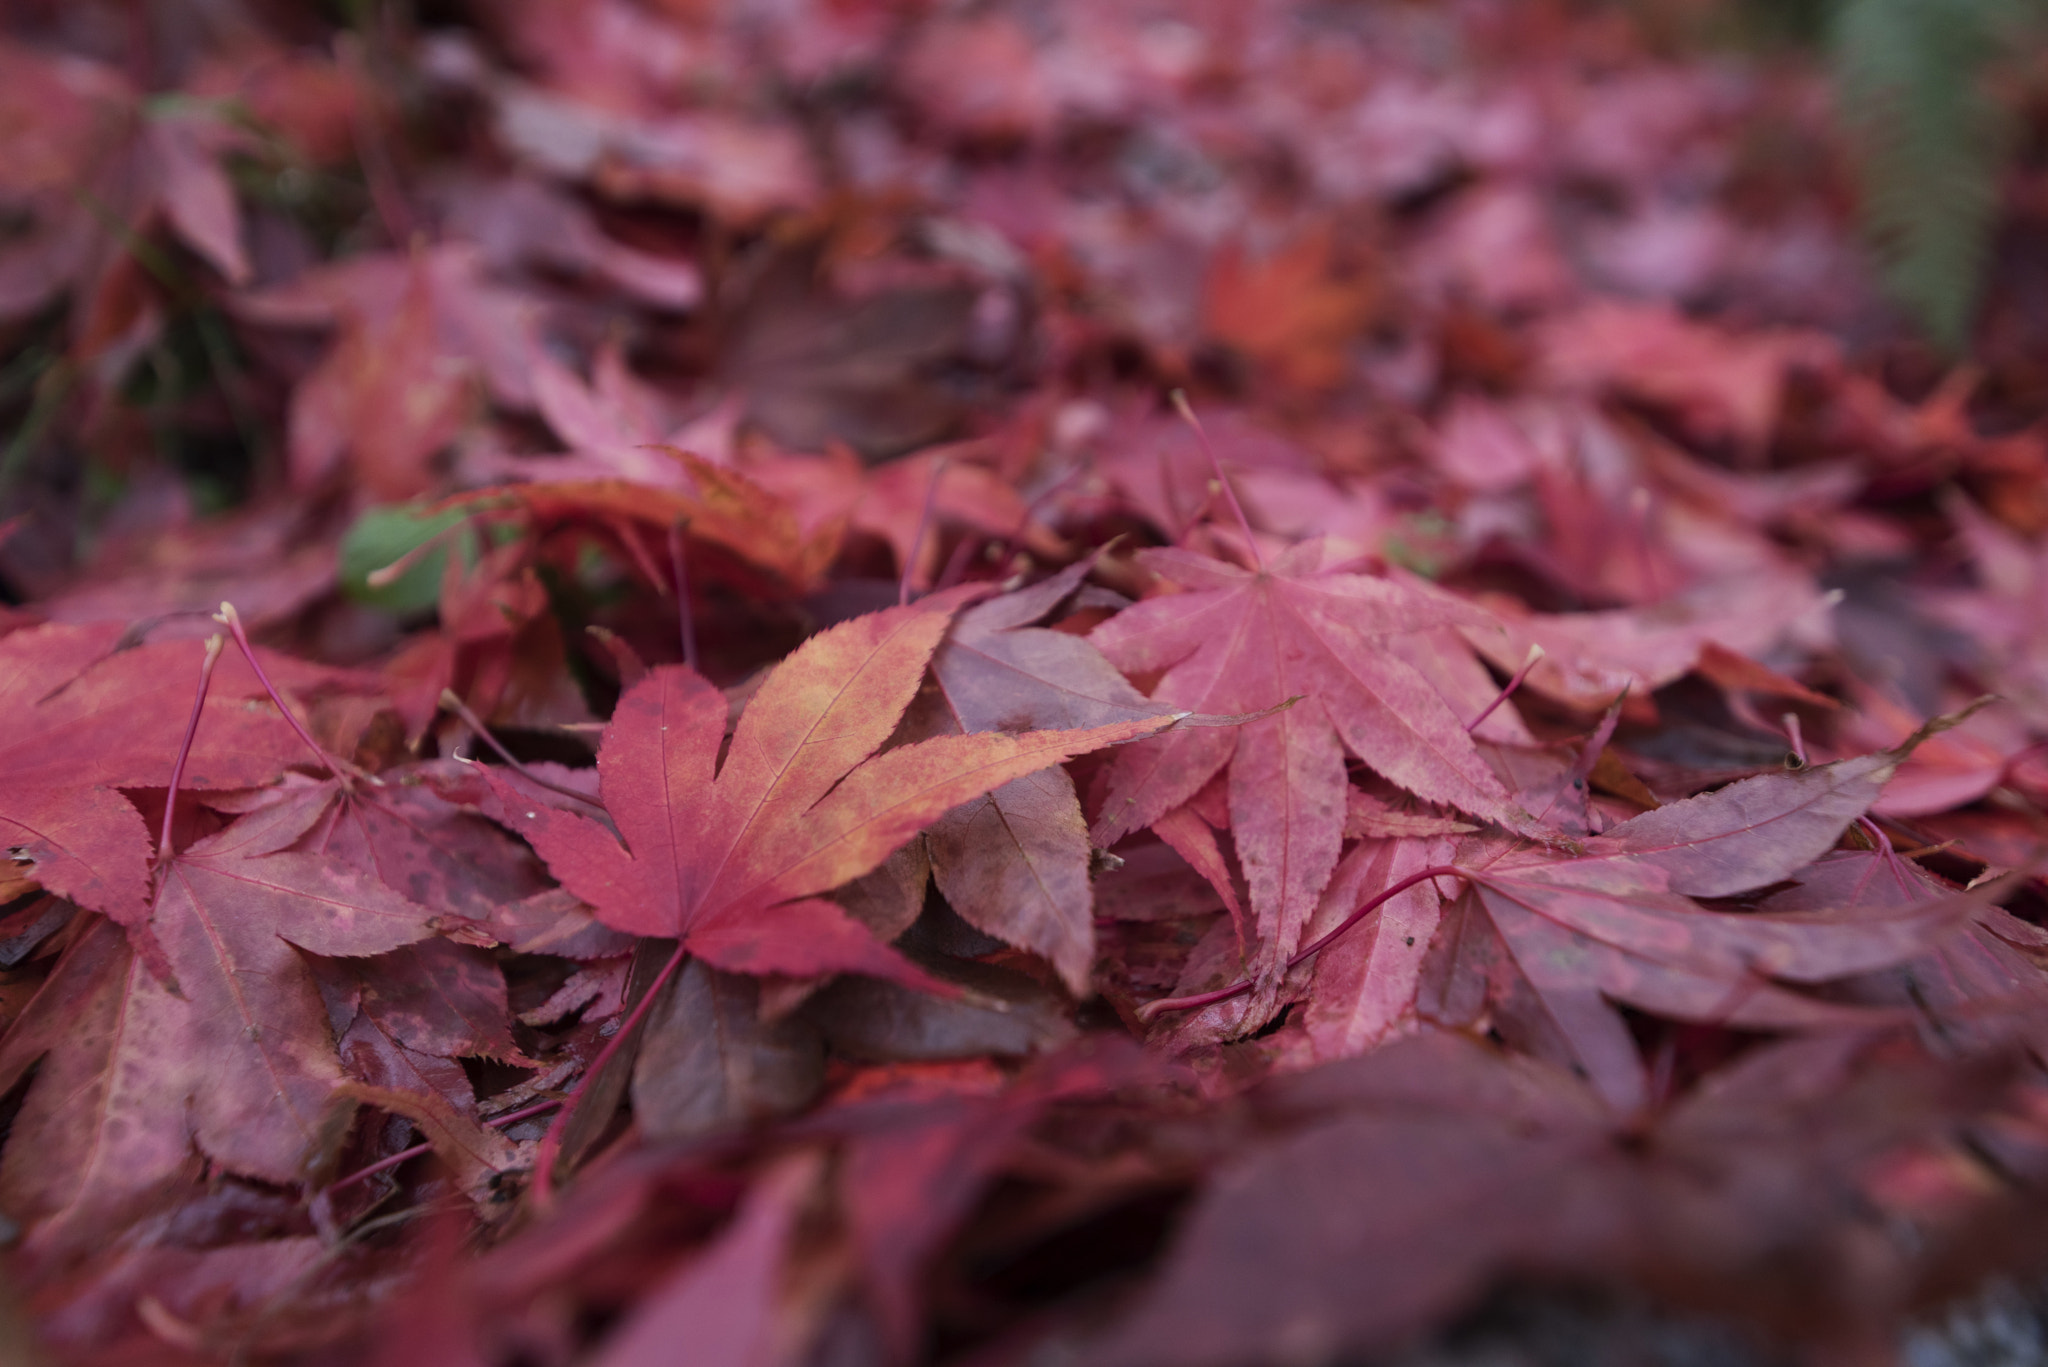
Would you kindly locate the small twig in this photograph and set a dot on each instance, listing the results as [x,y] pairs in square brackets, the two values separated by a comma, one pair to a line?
[228,617]
[1639,510]
[1153,1010]
[403,1156]
[685,623]
[379,175]
[956,563]
[386,575]
[1015,539]
[1888,857]
[1798,738]
[1187,413]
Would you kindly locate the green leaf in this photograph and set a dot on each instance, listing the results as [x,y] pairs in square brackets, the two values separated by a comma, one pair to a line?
[383,536]
[1910,76]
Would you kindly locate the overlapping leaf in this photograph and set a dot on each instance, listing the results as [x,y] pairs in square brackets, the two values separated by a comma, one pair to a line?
[233,1059]
[903,278]
[1236,641]
[1015,862]
[1618,922]
[88,719]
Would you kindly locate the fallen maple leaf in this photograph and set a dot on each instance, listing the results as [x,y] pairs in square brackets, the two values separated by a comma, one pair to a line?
[387,397]
[708,1063]
[89,719]
[718,506]
[471,321]
[1015,861]
[731,859]
[417,843]
[1993,960]
[914,1170]
[403,1020]
[722,1309]
[1293,312]
[1583,933]
[1592,658]
[235,1056]
[1722,384]
[1401,1184]
[996,1012]
[1365,984]
[894,501]
[1237,641]
[1618,921]
[1467,1167]
[1551,937]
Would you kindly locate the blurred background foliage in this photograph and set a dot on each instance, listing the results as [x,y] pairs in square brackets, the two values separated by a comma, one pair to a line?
[1927,89]
[1931,95]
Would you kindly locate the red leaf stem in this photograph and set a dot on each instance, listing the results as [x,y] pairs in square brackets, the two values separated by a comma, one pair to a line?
[1153,1010]
[213,648]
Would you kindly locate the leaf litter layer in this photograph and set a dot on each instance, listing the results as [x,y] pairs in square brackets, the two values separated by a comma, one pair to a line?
[856,682]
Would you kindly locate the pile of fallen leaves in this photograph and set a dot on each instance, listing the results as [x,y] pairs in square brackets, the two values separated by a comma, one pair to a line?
[836,682]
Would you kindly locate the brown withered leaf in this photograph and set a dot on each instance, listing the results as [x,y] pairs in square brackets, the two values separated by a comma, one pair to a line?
[1015,862]
[708,1063]
[997,1012]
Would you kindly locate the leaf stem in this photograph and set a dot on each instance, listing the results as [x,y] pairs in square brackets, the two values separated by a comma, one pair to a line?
[1153,1010]
[1887,856]
[551,1144]
[407,1155]
[232,620]
[1187,413]
[213,647]
[1797,737]
[956,563]
[1535,654]
[386,575]
[924,522]
[475,723]
[1015,539]
[684,622]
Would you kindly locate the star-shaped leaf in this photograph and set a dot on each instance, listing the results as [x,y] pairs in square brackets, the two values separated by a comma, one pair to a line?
[732,857]
[1238,641]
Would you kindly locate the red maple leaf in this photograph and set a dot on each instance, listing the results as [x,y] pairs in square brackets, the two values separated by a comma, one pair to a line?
[1237,641]
[89,719]
[233,1059]
[421,845]
[732,858]
[1550,938]
[1618,923]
